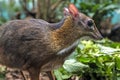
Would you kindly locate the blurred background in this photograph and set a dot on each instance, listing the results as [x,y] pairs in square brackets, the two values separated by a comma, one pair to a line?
[106,13]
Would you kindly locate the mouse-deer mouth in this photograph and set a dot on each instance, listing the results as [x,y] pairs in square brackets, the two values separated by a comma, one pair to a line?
[97,36]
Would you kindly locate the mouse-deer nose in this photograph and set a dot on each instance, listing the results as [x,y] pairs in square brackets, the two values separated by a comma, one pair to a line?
[96,34]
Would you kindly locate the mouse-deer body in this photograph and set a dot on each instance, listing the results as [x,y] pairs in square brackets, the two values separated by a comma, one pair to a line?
[36,45]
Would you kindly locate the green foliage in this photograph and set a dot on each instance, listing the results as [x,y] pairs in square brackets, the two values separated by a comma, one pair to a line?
[73,66]
[62,74]
[8,10]
[94,60]
[97,9]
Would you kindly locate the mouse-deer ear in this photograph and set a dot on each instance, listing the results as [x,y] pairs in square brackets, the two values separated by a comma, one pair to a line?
[73,10]
[66,11]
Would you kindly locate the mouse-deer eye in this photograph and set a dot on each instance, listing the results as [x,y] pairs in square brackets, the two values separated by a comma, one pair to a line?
[90,23]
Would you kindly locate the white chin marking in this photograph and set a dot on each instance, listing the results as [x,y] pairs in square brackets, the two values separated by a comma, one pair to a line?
[68,48]
[86,38]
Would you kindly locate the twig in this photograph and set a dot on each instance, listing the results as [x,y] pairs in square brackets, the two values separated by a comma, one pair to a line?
[54,6]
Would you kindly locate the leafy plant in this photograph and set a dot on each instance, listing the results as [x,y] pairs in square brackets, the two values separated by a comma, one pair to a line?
[98,60]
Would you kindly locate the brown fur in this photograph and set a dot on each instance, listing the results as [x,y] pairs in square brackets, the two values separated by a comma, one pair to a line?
[32,44]
[60,37]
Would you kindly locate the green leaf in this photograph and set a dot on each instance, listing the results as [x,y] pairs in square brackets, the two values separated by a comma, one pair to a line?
[58,74]
[84,59]
[108,50]
[62,74]
[73,66]
[118,62]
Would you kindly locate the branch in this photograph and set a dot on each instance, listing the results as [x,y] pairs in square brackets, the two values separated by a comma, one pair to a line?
[55,5]
[24,5]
